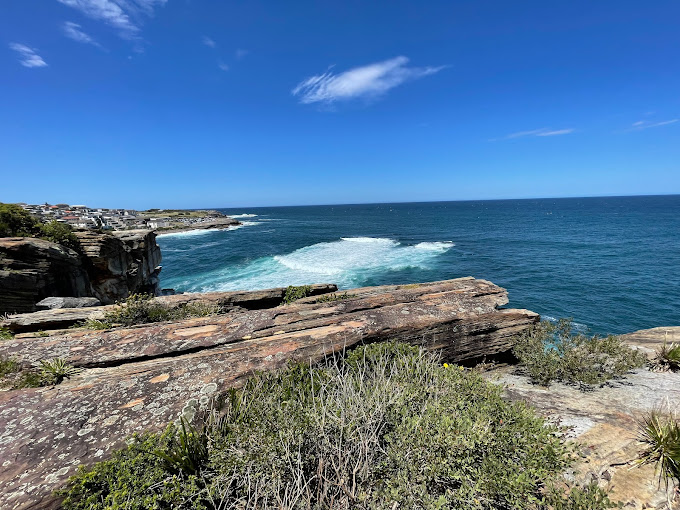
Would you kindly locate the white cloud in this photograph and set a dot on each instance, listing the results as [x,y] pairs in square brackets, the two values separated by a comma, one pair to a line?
[646,124]
[73,31]
[241,54]
[209,42]
[27,56]
[535,132]
[124,15]
[222,65]
[360,82]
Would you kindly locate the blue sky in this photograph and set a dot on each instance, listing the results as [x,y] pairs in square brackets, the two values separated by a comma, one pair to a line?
[190,103]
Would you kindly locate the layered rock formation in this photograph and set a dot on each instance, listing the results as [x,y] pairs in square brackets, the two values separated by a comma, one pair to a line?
[140,378]
[605,422]
[111,267]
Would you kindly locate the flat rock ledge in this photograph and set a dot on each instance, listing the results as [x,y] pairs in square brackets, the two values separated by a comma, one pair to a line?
[140,378]
[605,422]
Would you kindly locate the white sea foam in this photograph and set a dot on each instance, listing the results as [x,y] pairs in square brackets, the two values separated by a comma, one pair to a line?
[347,262]
[244,215]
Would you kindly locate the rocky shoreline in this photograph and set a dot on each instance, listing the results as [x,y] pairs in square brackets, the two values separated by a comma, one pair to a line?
[218,223]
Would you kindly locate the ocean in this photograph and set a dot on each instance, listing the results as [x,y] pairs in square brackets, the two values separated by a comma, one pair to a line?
[612,264]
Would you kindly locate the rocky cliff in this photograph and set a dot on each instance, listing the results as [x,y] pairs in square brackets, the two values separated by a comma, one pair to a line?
[140,378]
[111,267]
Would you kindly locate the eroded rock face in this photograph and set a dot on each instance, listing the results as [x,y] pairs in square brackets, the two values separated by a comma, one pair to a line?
[33,269]
[605,422]
[111,267]
[121,263]
[140,378]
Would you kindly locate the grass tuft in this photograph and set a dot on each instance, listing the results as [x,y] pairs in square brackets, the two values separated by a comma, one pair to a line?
[667,357]
[661,436]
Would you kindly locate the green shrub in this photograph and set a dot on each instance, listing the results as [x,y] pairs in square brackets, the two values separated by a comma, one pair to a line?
[389,427]
[15,221]
[294,293]
[6,334]
[661,436]
[590,497]
[551,352]
[60,233]
[8,366]
[13,376]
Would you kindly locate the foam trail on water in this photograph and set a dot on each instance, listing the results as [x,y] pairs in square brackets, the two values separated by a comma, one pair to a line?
[347,262]
[189,233]
[244,215]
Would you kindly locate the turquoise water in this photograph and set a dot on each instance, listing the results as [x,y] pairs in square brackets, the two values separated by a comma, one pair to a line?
[613,264]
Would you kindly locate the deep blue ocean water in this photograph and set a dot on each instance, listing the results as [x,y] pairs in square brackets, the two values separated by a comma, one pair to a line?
[613,264]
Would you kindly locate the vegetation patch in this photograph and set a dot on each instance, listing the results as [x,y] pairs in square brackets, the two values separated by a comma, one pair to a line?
[660,434]
[144,309]
[15,221]
[552,352]
[294,293]
[6,334]
[387,427]
[329,298]
[47,373]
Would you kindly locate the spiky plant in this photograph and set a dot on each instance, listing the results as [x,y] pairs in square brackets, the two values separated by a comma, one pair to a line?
[56,370]
[661,435]
[668,357]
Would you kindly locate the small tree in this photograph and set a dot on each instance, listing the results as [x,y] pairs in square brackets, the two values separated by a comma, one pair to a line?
[15,221]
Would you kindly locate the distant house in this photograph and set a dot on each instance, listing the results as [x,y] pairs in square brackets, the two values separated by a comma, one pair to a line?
[157,223]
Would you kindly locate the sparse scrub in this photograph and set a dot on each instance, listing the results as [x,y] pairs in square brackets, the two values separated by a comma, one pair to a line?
[294,293]
[55,371]
[387,427]
[551,352]
[144,309]
[589,497]
[329,298]
[6,334]
[661,436]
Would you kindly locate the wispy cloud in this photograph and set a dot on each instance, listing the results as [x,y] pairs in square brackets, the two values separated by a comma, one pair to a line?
[209,42]
[123,15]
[535,132]
[368,81]
[27,56]
[73,31]
[240,54]
[646,124]
[222,65]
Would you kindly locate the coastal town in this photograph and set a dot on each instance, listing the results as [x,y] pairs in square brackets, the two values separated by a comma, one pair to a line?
[93,218]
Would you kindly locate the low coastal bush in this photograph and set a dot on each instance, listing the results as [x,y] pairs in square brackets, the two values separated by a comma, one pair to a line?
[552,352]
[144,309]
[60,233]
[387,427]
[294,293]
[5,334]
[660,434]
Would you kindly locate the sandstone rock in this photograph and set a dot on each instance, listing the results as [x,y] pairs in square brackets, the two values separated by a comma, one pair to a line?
[64,318]
[139,378]
[112,267]
[33,269]
[52,303]
[605,422]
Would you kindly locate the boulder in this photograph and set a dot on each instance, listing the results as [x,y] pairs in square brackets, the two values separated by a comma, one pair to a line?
[52,303]
[140,378]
